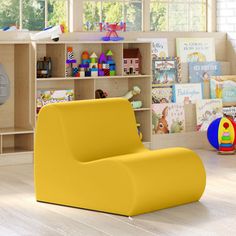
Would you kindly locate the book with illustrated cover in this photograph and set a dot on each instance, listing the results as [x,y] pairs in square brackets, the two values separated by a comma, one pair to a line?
[230,112]
[159,46]
[195,49]
[207,110]
[200,72]
[168,118]
[53,96]
[161,94]
[187,93]
[223,87]
[166,70]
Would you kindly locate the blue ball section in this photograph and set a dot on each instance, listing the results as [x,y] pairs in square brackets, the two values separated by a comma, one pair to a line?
[212,133]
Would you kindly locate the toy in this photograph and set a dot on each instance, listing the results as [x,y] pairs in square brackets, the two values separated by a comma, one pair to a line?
[135,91]
[44,68]
[221,134]
[99,93]
[111,29]
[130,94]
[50,32]
[71,67]
[132,61]
[4,85]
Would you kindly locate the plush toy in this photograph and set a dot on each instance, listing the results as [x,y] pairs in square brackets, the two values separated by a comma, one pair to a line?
[135,91]
[4,86]
[100,94]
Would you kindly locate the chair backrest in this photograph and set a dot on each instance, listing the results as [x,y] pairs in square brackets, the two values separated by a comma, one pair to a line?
[96,129]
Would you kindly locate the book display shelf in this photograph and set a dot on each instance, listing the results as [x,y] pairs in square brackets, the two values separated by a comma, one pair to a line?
[16,115]
[115,86]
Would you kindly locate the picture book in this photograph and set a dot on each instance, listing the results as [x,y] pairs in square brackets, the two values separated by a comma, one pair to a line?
[223,87]
[161,94]
[230,112]
[200,72]
[168,118]
[187,93]
[53,96]
[159,46]
[195,49]
[166,70]
[207,110]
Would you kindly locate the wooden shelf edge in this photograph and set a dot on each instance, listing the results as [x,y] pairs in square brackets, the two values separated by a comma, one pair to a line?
[229,104]
[11,131]
[89,78]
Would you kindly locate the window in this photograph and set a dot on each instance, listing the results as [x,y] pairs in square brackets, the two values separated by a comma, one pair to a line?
[33,14]
[178,15]
[164,15]
[129,11]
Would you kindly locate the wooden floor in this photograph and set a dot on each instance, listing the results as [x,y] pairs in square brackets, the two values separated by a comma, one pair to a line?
[214,215]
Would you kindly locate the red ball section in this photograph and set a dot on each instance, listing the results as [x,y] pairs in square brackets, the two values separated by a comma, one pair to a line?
[226,125]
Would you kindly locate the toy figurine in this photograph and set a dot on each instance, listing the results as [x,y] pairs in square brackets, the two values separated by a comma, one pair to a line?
[111,29]
[222,135]
[99,93]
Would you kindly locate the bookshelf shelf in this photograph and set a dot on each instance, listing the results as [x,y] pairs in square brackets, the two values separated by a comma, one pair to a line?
[16,115]
[94,78]
[85,87]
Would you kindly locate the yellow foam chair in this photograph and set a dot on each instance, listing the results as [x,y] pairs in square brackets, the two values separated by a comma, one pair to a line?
[88,154]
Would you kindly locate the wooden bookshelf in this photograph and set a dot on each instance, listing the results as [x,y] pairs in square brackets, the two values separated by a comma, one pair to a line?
[16,115]
[115,86]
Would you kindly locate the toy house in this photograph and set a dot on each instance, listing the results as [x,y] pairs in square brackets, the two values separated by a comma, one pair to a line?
[132,61]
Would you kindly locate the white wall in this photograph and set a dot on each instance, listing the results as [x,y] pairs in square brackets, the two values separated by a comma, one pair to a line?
[226,15]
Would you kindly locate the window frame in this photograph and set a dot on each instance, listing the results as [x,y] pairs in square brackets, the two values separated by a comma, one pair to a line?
[45,13]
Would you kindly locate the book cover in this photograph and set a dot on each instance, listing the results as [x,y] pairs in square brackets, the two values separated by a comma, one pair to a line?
[168,118]
[195,49]
[166,70]
[230,112]
[200,72]
[187,93]
[161,94]
[53,96]
[207,110]
[159,46]
[223,87]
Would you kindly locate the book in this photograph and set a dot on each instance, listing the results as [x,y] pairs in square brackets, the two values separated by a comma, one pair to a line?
[161,94]
[200,72]
[168,118]
[230,112]
[166,70]
[208,110]
[195,49]
[45,97]
[223,87]
[187,93]
[159,46]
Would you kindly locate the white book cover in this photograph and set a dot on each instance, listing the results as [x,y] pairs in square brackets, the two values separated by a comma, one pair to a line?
[159,46]
[196,49]
[207,110]
[187,93]
[168,118]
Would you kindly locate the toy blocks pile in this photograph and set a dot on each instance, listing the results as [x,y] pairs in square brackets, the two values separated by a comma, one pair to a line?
[91,65]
